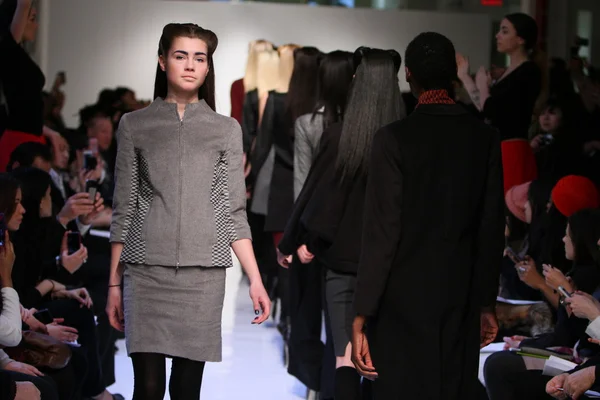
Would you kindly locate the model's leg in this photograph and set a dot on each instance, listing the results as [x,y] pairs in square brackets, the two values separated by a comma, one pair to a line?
[186,379]
[149,376]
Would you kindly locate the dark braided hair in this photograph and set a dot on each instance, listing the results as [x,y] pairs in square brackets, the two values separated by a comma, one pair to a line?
[431,60]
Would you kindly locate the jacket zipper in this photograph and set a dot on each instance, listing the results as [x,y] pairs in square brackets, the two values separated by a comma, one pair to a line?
[180,168]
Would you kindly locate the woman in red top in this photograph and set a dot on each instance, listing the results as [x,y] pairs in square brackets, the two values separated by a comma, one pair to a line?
[21,82]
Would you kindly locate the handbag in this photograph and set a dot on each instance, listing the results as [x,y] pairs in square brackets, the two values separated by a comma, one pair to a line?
[40,351]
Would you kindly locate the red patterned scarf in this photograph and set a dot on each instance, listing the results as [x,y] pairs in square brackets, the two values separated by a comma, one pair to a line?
[435,97]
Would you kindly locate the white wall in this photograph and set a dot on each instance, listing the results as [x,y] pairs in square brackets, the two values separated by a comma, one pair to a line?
[114,42]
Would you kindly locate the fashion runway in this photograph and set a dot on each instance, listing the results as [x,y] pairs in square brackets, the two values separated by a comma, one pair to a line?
[252,366]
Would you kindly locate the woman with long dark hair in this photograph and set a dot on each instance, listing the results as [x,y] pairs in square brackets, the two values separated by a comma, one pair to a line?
[178,211]
[333,83]
[509,103]
[327,217]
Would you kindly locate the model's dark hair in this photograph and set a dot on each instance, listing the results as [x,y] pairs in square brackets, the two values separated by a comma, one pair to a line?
[206,92]
[8,193]
[374,101]
[584,227]
[34,185]
[26,153]
[7,13]
[302,93]
[333,84]
[431,60]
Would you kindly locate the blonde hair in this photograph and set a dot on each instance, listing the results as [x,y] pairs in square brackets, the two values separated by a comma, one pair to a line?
[254,49]
[267,71]
[286,66]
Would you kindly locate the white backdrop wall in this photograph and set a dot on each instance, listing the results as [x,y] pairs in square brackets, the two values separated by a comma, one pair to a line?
[112,43]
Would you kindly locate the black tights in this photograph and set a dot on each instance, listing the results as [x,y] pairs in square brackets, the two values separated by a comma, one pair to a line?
[150,377]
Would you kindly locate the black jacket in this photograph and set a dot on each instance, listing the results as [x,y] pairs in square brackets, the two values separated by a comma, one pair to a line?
[327,216]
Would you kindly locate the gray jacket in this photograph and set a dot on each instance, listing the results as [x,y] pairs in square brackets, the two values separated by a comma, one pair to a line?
[307,136]
[180,196]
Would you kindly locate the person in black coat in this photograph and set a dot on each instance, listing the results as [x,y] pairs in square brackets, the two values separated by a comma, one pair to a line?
[433,235]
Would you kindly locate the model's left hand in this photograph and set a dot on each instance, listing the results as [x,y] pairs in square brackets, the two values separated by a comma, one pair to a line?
[261,301]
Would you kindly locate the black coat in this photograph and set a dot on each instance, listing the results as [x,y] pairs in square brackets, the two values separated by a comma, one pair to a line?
[327,216]
[277,131]
[431,252]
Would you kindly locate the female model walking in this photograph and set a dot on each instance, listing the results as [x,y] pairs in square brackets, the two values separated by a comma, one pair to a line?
[179,208]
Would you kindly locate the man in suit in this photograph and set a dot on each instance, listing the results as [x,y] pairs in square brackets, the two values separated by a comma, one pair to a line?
[433,238]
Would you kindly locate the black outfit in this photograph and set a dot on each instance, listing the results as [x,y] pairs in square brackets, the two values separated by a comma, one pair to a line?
[510,105]
[431,251]
[327,216]
[250,119]
[277,126]
[22,83]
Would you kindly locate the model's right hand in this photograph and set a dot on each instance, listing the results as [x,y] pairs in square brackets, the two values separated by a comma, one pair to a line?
[114,308]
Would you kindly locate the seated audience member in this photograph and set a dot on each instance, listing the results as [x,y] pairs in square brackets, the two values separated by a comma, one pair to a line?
[509,375]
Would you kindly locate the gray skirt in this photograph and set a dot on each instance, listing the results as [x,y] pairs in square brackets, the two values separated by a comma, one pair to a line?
[174,312]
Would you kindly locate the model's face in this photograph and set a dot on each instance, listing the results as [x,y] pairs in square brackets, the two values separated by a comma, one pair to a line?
[550,120]
[569,246]
[186,64]
[31,26]
[14,223]
[46,205]
[507,40]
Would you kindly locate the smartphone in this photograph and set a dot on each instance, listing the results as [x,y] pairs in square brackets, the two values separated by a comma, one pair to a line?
[91,187]
[2,229]
[73,242]
[44,316]
[513,255]
[564,292]
[90,162]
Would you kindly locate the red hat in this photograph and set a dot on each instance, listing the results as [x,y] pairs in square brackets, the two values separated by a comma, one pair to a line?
[575,193]
[516,198]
